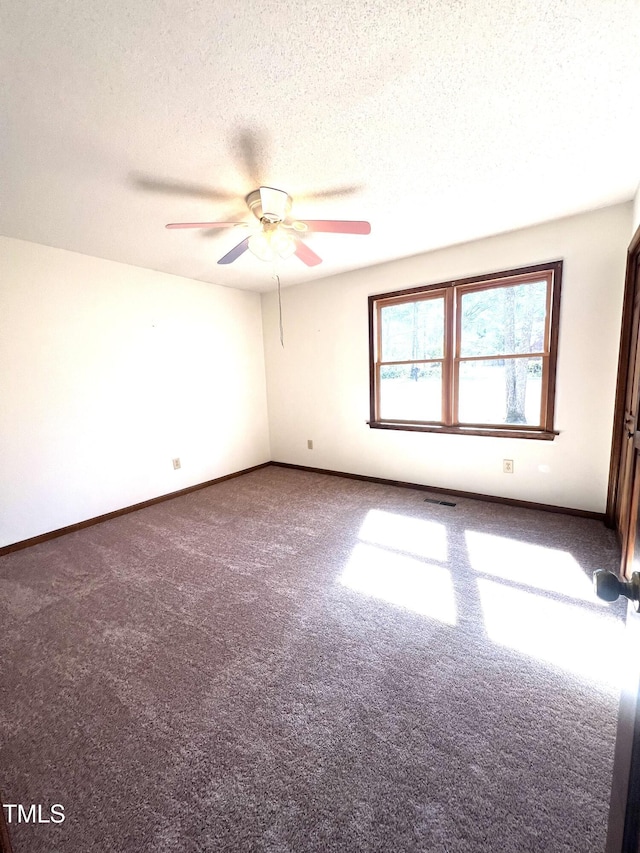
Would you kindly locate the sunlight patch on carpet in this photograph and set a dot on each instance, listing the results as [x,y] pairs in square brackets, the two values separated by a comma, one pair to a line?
[401,580]
[531,565]
[565,635]
[403,533]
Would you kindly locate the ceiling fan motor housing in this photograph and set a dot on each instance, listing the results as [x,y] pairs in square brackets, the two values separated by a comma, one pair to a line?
[269,205]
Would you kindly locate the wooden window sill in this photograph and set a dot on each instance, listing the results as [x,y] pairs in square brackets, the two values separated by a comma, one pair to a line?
[496,432]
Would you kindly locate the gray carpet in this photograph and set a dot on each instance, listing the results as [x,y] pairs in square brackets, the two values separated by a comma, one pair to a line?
[296,662]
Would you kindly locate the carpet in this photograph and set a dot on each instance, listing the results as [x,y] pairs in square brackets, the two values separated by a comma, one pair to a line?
[289,661]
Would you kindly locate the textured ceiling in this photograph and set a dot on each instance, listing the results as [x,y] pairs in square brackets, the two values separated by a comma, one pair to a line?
[439,122]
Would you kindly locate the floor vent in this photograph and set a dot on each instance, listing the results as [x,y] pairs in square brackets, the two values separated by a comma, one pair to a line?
[442,503]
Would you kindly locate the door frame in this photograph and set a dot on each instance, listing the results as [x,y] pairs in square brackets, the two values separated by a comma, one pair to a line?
[5,841]
[632,285]
[622,514]
[623,823]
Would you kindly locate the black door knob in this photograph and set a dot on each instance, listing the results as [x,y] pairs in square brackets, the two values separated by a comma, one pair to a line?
[609,587]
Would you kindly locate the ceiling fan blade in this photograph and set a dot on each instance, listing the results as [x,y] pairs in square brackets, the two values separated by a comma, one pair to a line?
[337,226]
[332,192]
[205,224]
[232,214]
[307,255]
[147,182]
[250,146]
[235,253]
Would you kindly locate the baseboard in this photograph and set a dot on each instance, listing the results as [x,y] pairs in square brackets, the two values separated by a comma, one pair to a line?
[584,513]
[89,522]
[62,531]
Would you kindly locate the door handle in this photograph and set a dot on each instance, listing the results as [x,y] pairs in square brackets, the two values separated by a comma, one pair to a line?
[609,587]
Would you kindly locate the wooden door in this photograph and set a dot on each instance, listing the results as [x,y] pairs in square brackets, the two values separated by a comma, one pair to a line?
[623,513]
[5,843]
[623,835]
[626,418]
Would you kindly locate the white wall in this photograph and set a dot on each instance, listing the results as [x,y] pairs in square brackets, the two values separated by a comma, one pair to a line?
[636,211]
[318,385]
[107,373]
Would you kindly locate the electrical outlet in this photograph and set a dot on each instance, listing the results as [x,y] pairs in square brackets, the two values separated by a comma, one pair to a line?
[176,463]
[507,466]
[309,444]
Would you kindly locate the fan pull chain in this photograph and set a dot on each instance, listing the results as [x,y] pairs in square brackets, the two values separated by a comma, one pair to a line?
[276,278]
[280,314]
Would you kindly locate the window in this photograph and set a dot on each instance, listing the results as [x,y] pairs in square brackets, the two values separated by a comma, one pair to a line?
[474,356]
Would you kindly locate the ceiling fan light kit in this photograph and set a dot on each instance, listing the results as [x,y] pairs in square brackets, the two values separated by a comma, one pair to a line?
[270,243]
[278,236]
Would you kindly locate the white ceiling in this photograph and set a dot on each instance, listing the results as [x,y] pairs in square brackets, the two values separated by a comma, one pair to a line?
[448,119]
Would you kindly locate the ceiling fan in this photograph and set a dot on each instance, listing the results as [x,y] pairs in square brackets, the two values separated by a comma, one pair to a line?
[279,235]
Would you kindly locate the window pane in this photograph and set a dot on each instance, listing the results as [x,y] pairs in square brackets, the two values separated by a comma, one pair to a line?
[411,392]
[502,391]
[504,320]
[413,330]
